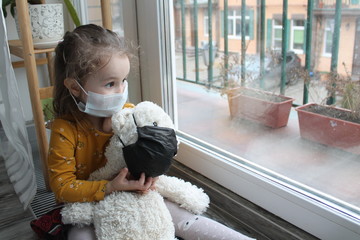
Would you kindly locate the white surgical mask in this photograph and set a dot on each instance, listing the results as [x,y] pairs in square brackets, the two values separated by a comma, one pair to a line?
[101,105]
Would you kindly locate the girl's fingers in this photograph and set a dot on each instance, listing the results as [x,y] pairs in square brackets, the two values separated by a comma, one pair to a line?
[148,183]
[154,180]
[142,179]
[123,173]
[145,183]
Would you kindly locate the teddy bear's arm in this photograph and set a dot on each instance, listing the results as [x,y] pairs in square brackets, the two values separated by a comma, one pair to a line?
[185,194]
[77,213]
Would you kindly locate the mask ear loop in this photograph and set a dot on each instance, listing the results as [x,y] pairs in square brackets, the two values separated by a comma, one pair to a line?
[121,141]
[77,82]
[134,120]
[76,102]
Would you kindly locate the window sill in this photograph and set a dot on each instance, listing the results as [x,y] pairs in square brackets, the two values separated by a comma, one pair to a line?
[238,213]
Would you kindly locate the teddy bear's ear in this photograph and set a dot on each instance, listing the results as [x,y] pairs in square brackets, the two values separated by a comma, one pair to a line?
[119,119]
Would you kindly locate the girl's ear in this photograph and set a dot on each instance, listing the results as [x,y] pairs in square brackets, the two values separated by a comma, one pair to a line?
[73,86]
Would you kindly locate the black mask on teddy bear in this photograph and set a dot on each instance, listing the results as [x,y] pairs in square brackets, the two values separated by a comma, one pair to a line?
[152,153]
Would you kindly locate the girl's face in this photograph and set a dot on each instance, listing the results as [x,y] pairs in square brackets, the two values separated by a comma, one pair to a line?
[111,78]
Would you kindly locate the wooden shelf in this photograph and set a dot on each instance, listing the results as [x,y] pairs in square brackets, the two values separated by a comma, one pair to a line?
[17,49]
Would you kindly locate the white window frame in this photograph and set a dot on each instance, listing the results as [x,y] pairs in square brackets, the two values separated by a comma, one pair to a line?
[304,210]
[327,30]
[233,19]
[293,29]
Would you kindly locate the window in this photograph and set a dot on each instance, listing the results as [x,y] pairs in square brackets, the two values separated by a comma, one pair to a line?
[271,169]
[234,24]
[328,36]
[90,12]
[277,34]
[297,35]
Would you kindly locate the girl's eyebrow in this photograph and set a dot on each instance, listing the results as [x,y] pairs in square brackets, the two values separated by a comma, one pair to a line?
[108,78]
[113,77]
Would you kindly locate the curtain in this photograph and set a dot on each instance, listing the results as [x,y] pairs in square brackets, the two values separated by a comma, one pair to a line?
[15,147]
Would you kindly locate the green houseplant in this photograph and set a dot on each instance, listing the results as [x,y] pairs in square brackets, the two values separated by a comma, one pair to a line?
[260,106]
[336,125]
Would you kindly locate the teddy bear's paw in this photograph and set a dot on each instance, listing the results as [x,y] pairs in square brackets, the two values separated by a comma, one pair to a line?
[77,213]
[198,202]
[187,195]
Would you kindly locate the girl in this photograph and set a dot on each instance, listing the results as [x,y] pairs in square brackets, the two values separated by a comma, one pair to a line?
[91,67]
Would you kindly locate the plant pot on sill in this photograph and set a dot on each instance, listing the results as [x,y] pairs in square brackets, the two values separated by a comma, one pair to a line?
[331,131]
[259,106]
[47,24]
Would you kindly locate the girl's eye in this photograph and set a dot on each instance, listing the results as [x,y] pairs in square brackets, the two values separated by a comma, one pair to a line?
[124,80]
[110,84]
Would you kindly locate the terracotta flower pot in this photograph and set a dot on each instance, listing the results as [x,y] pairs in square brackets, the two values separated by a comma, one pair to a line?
[330,131]
[259,106]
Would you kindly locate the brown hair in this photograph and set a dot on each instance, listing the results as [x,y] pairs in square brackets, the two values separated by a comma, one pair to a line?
[82,52]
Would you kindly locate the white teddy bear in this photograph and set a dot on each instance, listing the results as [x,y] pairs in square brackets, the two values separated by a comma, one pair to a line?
[130,215]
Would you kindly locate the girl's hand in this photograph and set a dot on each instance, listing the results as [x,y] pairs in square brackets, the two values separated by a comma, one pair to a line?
[122,183]
[106,127]
[153,187]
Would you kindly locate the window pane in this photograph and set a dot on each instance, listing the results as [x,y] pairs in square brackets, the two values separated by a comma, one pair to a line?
[117,15]
[247,28]
[231,27]
[328,35]
[328,43]
[94,14]
[206,25]
[238,27]
[299,36]
[205,111]
[278,33]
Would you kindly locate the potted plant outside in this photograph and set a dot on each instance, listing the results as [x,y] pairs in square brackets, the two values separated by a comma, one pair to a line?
[256,105]
[260,106]
[336,126]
